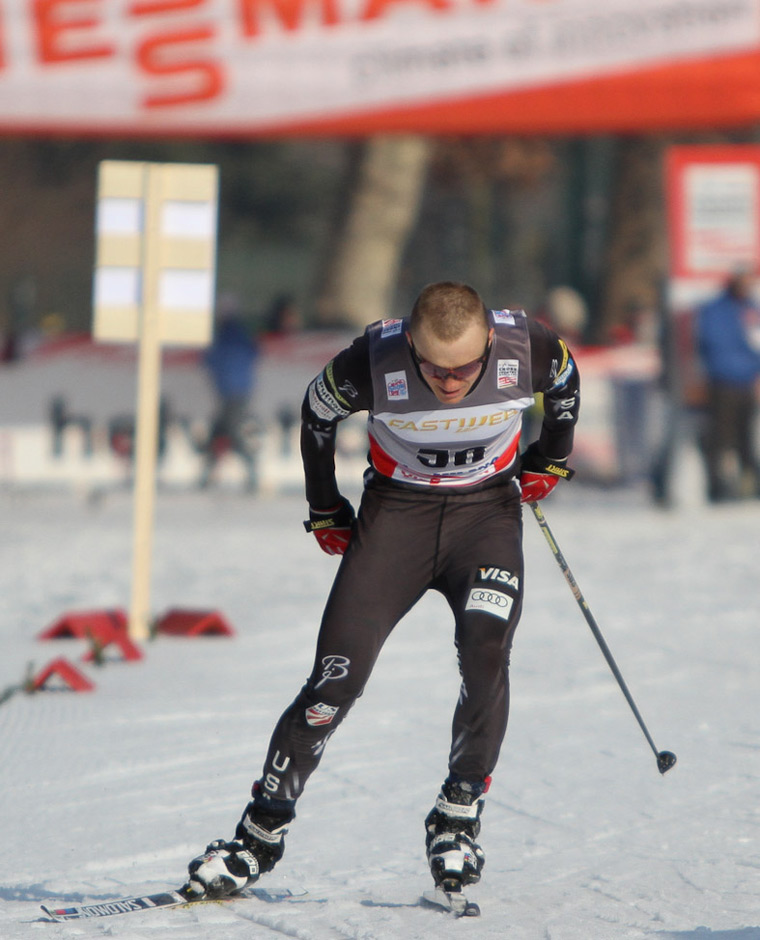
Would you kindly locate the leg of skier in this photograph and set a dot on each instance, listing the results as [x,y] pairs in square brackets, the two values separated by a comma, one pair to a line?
[381,576]
[484,588]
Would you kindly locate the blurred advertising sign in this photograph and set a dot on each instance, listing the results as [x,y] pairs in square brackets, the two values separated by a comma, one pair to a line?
[242,67]
[155,251]
[713,216]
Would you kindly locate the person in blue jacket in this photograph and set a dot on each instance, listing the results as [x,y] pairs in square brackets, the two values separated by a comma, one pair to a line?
[231,364]
[728,343]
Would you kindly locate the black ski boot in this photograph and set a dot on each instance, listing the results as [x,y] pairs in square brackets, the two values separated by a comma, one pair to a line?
[452,826]
[226,868]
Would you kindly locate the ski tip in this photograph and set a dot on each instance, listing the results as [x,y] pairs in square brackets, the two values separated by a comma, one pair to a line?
[60,914]
[295,892]
[275,895]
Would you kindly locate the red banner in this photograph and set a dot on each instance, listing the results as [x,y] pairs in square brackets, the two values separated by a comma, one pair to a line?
[244,67]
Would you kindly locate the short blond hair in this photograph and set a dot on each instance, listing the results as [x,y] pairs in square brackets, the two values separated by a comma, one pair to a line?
[447,308]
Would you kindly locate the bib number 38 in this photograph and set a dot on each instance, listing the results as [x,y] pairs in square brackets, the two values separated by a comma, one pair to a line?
[439,459]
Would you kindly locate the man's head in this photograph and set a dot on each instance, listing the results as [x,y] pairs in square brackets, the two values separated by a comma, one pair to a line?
[741,283]
[450,337]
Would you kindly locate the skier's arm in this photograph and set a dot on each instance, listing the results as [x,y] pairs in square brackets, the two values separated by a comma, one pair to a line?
[544,462]
[555,373]
[342,388]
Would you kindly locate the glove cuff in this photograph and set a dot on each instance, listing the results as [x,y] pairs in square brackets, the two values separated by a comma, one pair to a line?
[319,521]
[340,516]
[533,461]
[558,470]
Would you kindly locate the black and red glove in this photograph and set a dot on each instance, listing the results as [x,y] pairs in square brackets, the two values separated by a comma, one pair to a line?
[539,475]
[332,527]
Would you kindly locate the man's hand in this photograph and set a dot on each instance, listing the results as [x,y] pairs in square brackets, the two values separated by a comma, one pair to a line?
[539,475]
[332,527]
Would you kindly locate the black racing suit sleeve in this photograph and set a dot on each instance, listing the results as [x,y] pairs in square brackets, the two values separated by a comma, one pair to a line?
[555,374]
[341,389]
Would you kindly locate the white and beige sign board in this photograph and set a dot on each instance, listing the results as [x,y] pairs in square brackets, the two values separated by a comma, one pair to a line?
[155,251]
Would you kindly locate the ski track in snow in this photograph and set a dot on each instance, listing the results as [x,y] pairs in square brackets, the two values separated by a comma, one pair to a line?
[110,793]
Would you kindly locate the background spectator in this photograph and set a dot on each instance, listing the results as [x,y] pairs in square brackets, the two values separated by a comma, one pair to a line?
[231,361]
[728,342]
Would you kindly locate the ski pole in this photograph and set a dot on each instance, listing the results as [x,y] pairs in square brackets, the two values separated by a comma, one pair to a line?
[665,759]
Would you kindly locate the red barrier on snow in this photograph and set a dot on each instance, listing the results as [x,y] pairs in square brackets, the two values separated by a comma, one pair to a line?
[65,671]
[101,628]
[178,622]
[98,624]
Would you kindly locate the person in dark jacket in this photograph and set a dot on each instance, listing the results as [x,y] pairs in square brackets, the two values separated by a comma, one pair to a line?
[445,390]
[230,362]
[728,342]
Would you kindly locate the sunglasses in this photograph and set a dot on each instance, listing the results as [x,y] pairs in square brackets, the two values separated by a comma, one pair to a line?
[460,373]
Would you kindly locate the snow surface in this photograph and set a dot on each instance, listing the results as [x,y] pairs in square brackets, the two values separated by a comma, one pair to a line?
[110,793]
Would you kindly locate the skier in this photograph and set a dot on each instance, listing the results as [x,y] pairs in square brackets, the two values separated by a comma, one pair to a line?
[446,390]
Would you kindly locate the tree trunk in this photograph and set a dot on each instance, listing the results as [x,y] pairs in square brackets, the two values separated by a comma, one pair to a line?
[382,207]
[637,255]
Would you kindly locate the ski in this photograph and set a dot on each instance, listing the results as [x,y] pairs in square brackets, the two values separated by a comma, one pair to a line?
[455,902]
[146,902]
[117,906]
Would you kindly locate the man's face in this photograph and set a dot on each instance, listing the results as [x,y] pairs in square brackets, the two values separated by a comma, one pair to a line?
[451,368]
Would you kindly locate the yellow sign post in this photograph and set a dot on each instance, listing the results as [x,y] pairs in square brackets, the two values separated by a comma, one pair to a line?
[154,284]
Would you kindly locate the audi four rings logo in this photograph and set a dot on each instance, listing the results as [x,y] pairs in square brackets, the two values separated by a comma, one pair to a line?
[491,597]
[492,602]
[334,667]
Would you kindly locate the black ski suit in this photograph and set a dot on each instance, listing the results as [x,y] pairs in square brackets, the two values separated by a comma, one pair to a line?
[440,510]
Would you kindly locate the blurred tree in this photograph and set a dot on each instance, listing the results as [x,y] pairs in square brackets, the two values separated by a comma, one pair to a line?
[46,213]
[637,255]
[276,198]
[353,229]
[635,265]
[493,215]
[383,191]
